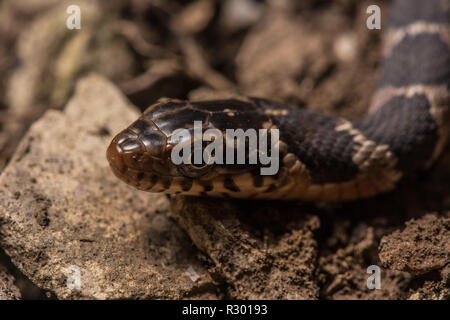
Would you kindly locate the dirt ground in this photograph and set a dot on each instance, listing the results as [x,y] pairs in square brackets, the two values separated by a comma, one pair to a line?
[315,54]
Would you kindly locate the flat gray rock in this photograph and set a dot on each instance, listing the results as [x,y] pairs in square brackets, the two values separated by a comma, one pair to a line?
[75,229]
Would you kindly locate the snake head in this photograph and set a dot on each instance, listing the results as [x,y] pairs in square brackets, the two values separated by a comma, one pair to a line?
[142,155]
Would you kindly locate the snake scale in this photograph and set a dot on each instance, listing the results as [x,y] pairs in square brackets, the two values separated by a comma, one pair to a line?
[322,158]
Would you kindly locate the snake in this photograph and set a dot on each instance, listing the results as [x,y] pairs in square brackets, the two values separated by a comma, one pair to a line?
[322,158]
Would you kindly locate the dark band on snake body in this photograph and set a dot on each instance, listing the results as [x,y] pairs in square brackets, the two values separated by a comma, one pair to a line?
[321,157]
[430,52]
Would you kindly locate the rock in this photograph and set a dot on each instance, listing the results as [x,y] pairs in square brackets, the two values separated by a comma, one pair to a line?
[260,250]
[63,214]
[432,288]
[343,272]
[8,290]
[423,246]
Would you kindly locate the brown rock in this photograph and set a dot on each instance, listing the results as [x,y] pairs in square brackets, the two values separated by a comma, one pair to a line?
[423,246]
[261,250]
[343,272]
[64,213]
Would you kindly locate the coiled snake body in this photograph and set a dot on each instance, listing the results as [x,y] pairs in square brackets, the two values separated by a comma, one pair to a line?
[321,158]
